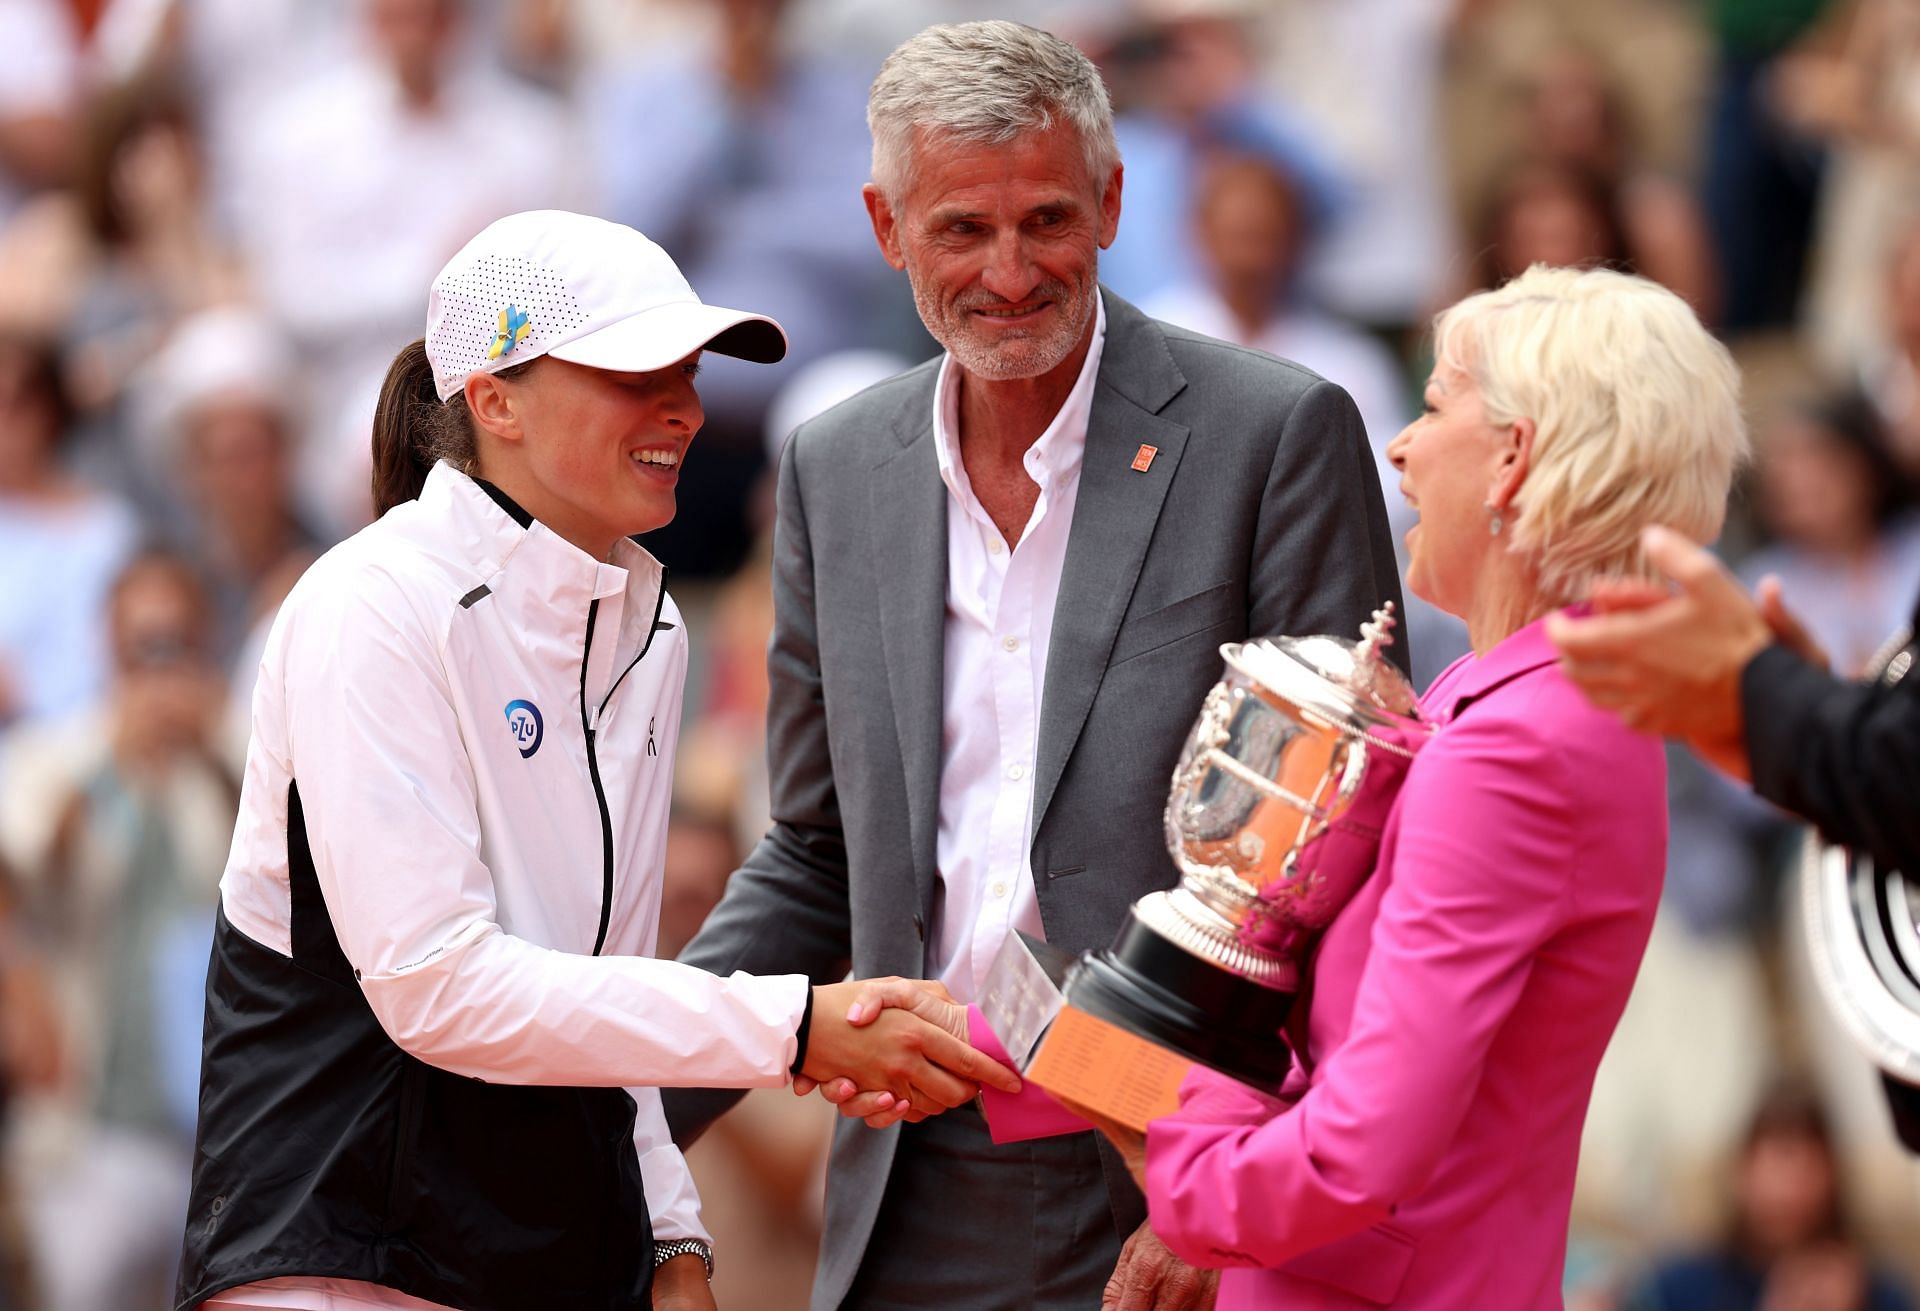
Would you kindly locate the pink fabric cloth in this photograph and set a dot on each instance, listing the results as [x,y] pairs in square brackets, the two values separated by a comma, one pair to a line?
[1459,1007]
[1016,1117]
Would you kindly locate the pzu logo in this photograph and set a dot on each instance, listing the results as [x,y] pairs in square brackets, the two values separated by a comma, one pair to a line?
[523,721]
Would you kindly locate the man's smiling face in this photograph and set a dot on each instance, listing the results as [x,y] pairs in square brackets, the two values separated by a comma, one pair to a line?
[1001,244]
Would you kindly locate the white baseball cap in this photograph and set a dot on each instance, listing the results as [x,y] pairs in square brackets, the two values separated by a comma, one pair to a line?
[548,282]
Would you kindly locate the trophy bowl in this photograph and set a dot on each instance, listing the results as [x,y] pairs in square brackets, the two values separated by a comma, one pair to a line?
[1273,821]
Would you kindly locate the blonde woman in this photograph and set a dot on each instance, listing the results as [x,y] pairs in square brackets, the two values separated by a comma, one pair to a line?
[1461,1003]
[1423,1154]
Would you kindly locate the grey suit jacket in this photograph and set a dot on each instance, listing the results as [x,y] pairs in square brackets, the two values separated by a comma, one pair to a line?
[1261,514]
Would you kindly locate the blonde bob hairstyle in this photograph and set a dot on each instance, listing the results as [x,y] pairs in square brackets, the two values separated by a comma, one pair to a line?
[1636,411]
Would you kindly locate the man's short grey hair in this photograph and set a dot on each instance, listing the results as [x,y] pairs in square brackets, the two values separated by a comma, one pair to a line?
[984,83]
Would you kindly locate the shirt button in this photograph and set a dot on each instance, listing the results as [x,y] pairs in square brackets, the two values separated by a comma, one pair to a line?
[1011,643]
[1016,772]
[993,546]
[999,890]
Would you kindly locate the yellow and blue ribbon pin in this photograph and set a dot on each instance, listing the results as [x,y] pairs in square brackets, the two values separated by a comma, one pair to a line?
[514,325]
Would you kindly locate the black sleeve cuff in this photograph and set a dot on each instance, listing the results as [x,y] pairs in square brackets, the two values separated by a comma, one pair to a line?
[801,1034]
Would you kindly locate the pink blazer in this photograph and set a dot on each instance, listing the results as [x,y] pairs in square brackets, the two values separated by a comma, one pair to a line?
[1458,1009]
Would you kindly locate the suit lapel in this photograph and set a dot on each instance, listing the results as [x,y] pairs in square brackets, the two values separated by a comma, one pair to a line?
[909,516]
[1115,513]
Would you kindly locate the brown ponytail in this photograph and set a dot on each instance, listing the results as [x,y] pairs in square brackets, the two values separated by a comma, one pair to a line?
[407,428]
[413,429]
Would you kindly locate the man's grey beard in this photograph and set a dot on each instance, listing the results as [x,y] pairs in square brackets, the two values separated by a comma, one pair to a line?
[1025,357]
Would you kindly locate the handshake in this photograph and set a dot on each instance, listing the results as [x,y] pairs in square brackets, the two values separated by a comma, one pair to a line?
[891,1049]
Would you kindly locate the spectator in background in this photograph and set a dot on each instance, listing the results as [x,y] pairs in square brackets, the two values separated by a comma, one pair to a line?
[61,544]
[754,163]
[37,98]
[238,57]
[142,190]
[755,155]
[1185,85]
[149,257]
[1846,548]
[756,139]
[1574,119]
[39,94]
[1365,78]
[1251,229]
[1789,1246]
[1553,214]
[125,887]
[1853,84]
[359,179]
[32,1055]
[1891,375]
[1762,177]
[221,390]
[700,854]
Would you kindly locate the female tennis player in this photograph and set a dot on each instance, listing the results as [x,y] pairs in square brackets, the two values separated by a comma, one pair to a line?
[434,1033]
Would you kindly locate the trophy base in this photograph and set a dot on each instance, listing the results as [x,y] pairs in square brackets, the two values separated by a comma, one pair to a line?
[1151,986]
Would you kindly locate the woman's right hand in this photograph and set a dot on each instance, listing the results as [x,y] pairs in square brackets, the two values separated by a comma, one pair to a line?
[889,1049]
[927,998]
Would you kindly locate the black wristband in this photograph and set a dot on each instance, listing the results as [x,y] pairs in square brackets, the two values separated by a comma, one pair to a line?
[800,1036]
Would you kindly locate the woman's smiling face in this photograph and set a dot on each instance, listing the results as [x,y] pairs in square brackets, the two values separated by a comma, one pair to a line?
[598,452]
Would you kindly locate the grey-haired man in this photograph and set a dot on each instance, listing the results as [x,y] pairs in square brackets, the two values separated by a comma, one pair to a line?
[1000,583]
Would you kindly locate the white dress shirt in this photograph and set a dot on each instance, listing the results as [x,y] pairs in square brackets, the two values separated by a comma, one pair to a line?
[1000,605]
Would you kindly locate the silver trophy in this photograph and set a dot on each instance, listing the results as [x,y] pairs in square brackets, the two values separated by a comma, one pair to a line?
[1273,821]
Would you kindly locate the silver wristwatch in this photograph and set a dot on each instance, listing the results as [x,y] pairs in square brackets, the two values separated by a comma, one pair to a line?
[664,1252]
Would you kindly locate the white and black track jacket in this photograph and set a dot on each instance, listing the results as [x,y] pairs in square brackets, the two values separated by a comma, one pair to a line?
[467,726]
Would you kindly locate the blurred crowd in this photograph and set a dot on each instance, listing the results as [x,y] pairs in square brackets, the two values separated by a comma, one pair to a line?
[218,219]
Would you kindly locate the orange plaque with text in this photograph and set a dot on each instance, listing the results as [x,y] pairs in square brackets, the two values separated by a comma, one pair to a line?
[1106,1069]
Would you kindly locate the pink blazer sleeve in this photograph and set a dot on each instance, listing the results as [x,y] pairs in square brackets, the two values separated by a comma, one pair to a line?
[1029,1113]
[1480,879]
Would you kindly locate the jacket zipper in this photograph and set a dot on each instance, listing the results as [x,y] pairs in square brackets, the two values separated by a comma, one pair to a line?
[588,726]
[599,792]
[659,604]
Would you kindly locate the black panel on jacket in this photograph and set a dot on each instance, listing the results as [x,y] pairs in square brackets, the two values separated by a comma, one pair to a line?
[325,1150]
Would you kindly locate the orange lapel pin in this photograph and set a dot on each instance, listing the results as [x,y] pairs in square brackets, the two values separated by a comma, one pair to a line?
[1143,458]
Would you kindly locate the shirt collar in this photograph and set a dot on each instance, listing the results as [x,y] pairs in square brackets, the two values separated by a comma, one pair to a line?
[1061,446]
[506,528]
[1475,676]
[513,508]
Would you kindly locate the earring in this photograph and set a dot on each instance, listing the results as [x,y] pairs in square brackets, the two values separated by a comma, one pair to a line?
[1496,523]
